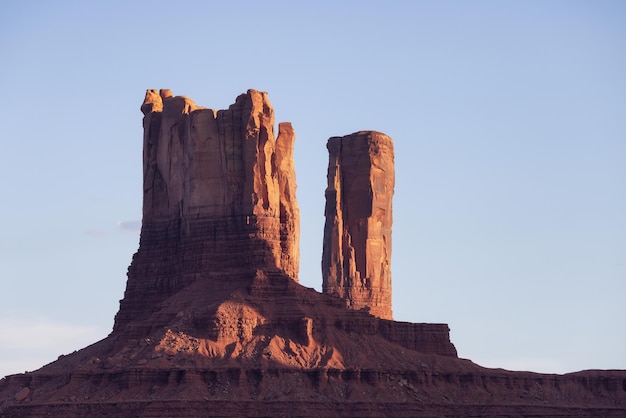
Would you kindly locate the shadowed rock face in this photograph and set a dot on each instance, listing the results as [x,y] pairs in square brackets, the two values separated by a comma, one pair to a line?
[356,257]
[218,197]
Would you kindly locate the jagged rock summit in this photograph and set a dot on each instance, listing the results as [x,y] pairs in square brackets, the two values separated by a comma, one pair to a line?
[219,201]
[214,322]
[218,255]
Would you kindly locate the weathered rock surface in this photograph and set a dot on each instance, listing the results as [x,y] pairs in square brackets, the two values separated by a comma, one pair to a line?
[214,323]
[178,373]
[356,259]
[219,199]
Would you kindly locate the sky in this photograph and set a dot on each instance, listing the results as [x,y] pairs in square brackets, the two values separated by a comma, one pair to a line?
[509,125]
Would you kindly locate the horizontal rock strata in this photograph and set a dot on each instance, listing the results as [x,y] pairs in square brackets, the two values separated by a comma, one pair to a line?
[214,323]
[430,387]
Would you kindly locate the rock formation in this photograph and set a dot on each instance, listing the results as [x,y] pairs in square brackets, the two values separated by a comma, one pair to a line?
[219,199]
[214,323]
[356,256]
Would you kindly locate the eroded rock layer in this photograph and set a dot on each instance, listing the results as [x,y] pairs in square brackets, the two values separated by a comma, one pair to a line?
[213,322]
[356,259]
[218,197]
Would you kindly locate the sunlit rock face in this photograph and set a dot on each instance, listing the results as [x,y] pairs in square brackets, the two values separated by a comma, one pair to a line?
[356,256]
[214,323]
[218,196]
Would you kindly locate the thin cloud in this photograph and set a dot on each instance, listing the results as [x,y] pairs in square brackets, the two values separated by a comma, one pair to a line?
[27,333]
[95,233]
[129,226]
[21,337]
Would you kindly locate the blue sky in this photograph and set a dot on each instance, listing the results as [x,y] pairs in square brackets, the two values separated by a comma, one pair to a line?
[509,122]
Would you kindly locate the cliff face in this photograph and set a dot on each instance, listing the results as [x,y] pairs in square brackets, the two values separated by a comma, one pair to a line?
[220,215]
[219,197]
[214,323]
[356,257]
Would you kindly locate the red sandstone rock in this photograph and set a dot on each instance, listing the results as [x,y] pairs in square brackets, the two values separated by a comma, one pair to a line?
[219,199]
[214,324]
[356,260]
[22,394]
[289,212]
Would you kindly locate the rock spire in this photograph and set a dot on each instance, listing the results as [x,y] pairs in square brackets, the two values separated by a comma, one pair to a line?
[356,256]
[213,322]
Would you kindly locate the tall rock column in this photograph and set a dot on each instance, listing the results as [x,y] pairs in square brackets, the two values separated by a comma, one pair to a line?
[289,211]
[356,255]
[219,200]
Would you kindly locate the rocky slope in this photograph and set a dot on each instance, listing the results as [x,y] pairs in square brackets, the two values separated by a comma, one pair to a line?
[214,323]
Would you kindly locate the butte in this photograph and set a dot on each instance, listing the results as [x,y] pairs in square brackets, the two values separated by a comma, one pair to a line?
[214,322]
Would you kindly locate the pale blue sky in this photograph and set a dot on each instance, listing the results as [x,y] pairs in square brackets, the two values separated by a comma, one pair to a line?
[509,121]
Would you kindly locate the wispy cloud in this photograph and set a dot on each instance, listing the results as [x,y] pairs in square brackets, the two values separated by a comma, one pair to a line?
[130,226]
[95,233]
[29,342]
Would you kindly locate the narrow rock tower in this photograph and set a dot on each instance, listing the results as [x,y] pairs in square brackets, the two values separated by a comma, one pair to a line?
[356,256]
[219,202]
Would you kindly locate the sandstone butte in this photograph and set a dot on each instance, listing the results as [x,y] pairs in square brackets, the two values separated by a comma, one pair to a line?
[214,322]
